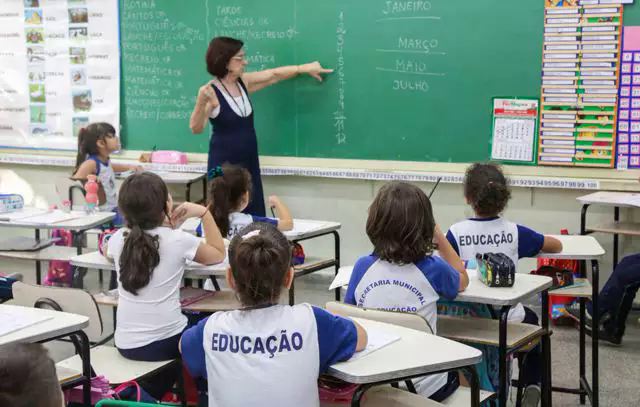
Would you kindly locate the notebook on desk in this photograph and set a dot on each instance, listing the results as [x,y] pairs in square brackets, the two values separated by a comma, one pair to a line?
[21,214]
[14,319]
[376,340]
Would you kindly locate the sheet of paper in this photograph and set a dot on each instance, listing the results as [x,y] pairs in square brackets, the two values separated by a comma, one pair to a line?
[23,213]
[302,226]
[51,217]
[342,278]
[376,340]
[12,320]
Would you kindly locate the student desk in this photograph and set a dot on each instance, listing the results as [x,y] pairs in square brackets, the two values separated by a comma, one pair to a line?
[585,248]
[303,229]
[508,337]
[188,179]
[416,354]
[95,260]
[616,228]
[59,325]
[76,226]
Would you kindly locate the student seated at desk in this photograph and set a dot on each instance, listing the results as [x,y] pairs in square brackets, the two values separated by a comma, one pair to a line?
[28,377]
[486,190]
[615,301]
[266,354]
[230,193]
[150,258]
[96,142]
[402,274]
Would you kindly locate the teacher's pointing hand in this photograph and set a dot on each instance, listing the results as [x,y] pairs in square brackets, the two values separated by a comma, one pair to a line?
[314,69]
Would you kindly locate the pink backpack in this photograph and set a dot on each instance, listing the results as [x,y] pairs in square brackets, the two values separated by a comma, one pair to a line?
[60,272]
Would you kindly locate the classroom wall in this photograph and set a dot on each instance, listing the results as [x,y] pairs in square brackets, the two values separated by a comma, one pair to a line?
[346,201]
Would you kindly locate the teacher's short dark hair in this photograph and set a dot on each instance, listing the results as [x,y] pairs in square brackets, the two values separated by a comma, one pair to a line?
[219,53]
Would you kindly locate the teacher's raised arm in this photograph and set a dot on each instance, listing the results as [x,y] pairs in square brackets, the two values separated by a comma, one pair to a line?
[224,101]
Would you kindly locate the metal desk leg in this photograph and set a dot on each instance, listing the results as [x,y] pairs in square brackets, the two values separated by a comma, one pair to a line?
[38,262]
[595,271]
[502,355]
[187,193]
[616,218]
[86,366]
[357,395]
[475,385]
[336,241]
[583,363]
[546,353]
[204,189]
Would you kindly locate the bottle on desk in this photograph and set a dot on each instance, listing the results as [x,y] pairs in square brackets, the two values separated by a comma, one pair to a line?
[91,194]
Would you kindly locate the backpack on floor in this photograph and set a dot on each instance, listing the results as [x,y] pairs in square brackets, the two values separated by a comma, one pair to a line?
[60,272]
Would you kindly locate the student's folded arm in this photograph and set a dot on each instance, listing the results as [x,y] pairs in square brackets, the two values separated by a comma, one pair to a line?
[285,220]
[192,350]
[450,256]
[362,337]
[551,245]
[212,250]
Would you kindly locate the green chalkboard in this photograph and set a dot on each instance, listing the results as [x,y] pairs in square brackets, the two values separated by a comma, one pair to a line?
[413,80]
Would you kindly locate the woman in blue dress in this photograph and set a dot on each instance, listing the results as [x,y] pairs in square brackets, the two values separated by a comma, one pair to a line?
[224,101]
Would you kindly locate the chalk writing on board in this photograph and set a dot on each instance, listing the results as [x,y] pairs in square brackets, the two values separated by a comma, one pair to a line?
[400,7]
[411,53]
[339,117]
[151,41]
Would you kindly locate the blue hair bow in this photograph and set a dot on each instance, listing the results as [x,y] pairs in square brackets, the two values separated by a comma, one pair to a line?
[215,172]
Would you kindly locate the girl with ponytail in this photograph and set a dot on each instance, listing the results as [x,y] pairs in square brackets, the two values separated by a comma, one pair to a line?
[487,192]
[96,142]
[230,193]
[150,257]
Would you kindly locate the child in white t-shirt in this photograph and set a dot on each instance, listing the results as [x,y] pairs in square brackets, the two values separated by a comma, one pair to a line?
[150,257]
[266,354]
[487,191]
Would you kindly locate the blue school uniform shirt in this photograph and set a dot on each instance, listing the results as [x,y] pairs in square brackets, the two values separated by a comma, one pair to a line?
[238,220]
[414,287]
[494,235]
[268,356]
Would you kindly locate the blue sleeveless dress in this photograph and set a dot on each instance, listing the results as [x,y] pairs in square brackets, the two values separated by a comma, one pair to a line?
[234,141]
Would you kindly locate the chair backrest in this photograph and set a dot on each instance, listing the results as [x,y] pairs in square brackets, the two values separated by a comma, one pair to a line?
[70,189]
[405,319]
[72,300]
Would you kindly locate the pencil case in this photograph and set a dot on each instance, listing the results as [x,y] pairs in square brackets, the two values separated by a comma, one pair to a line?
[496,269]
[168,157]
[11,203]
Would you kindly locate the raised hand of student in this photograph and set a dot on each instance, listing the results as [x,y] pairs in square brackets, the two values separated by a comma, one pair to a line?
[285,220]
[187,210]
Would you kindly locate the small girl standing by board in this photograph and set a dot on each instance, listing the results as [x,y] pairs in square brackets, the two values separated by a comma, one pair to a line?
[96,142]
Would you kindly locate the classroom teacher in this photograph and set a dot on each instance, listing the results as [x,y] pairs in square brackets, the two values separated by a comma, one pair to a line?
[225,102]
